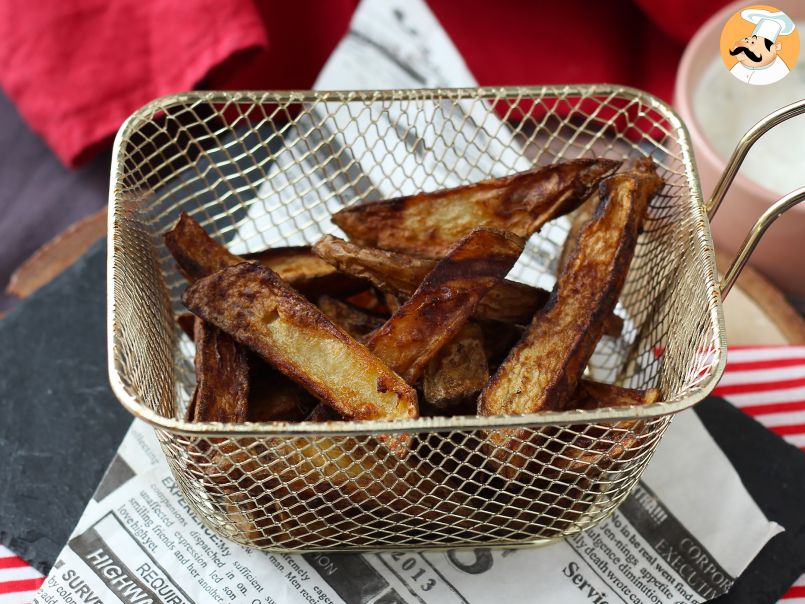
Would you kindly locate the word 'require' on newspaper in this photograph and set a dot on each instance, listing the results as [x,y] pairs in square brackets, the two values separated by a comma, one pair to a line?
[683,535]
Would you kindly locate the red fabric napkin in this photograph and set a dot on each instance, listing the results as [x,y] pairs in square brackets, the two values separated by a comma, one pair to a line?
[77,69]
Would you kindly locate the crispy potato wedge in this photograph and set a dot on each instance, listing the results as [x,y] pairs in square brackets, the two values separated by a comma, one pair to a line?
[596,395]
[306,272]
[428,224]
[355,321]
[222,377]
[400,274]
[294,263]
[442,304]
[444,301]
[564,453]
[332,487]
[578,219]
[584,213]
[543,370]
[260,311]
[198,255]
[458,372]
[391,272]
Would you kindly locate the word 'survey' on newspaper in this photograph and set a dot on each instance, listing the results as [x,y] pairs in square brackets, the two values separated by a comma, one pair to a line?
[683,535]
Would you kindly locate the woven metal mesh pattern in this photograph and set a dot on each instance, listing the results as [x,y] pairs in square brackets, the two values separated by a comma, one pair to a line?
[263,169]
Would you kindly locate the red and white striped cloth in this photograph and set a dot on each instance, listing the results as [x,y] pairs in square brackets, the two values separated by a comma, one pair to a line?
[18,581]
[766,382]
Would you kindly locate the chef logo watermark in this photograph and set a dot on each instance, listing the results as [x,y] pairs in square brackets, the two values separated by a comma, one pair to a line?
[760,45]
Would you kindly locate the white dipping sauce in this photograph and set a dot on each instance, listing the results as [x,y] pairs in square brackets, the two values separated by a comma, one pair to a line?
[725,108]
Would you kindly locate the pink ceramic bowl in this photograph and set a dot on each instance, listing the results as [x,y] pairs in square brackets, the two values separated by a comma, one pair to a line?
[781,253]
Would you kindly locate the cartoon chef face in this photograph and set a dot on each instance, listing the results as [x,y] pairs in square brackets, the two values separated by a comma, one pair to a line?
[755,51]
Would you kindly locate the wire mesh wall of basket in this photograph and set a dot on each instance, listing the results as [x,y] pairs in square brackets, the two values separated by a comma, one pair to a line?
[268,169]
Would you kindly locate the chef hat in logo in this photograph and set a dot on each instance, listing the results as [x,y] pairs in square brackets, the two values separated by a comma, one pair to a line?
[768,24]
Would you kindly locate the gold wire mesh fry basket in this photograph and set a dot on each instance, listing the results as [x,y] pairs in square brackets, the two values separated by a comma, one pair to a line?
[261,169]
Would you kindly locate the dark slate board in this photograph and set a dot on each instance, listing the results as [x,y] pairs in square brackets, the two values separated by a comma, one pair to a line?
[62,425]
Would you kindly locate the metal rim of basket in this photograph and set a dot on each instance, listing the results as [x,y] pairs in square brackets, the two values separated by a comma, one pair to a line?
[424,424]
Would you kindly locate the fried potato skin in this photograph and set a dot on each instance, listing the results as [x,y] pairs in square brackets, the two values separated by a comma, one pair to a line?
[400,274]
[306,272]
[444,301]
[529,451]
[596,395]
[458,372]
[585,211]
[262,312]
[580,217]
[427,224]
[543,370]
[389,271]
[222,377]
[196,253]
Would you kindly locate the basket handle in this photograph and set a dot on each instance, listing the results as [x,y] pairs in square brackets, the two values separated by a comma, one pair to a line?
[781,206]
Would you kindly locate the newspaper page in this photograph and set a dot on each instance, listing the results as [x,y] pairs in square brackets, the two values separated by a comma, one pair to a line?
[683,535]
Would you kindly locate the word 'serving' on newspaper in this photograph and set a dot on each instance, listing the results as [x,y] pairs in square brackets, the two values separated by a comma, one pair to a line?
[682,536]
[672,541]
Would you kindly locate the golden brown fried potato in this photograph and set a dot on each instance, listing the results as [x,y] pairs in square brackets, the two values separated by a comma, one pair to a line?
[306,272]
[559,453]
[198,255]
[427,224]
[595,395]
[391,272]
[585,211]
[613,325]
[542,372]
[578,219]
[355,321]
[459,372]
[222,377]
[600,447]
[400,274]
[260,311]
[444,301]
